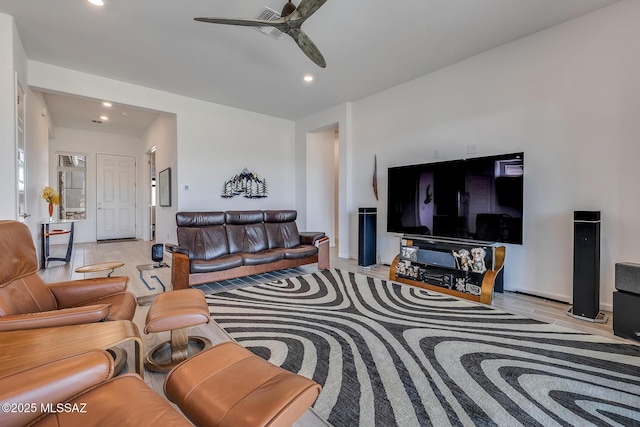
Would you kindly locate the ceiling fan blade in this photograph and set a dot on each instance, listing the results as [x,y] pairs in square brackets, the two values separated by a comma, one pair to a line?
[306,8]
[287,24]
[309,48]
[242,22]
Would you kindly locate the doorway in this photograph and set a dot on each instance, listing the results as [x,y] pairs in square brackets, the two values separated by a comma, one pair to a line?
[151,156]
[323,182]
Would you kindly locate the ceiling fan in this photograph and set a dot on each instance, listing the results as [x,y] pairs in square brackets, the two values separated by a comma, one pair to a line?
[290,21]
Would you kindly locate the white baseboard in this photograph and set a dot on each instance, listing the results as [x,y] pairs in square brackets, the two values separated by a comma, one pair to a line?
[567,299]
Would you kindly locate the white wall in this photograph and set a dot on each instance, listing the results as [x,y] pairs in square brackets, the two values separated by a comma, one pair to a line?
[38,127]
[14,66]
[90,144]
[321,182]
[8,46]
[339,116]
[214,142]
[223,142]
[569,97]
[162,135]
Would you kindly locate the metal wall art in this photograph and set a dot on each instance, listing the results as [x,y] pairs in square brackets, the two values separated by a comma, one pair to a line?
[245,184]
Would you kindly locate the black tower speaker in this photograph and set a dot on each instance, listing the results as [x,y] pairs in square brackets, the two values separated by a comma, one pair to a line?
[586,264]
[156,253]
[367,219]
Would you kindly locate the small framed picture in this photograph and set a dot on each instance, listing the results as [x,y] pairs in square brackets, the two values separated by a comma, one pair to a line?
[164,187]
[409,253]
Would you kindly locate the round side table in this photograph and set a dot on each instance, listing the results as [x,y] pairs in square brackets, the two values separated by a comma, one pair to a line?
[102,266]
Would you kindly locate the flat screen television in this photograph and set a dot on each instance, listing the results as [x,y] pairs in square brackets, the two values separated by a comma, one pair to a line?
[470,199]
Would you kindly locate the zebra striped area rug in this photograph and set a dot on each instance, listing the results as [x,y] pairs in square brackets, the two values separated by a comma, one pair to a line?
[388,354]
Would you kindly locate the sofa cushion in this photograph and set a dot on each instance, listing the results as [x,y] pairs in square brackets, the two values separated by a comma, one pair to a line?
[199,219]
[224,262]
[23,260]
[204,243]
[282,231]
[263,257]
[282,235]
[244,217]
[301,251]
[248,238]
[26,295]
[280,216]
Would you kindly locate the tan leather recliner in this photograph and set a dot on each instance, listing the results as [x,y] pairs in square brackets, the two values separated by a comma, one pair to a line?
[26,302]
[226,385]
[80,390]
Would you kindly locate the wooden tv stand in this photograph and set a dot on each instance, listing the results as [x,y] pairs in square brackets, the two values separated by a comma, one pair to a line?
[430,263]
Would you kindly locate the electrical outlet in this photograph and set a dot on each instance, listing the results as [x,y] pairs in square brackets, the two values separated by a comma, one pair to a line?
[186,187]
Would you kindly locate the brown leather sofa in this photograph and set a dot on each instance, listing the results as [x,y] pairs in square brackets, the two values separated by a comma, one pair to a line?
[215,246]
[26,302]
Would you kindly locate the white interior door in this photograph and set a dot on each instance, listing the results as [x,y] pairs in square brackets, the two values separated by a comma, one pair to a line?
[116,197]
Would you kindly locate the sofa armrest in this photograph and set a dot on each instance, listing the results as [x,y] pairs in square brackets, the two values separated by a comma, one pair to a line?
[310,237]
[52,383]
[180,270]
[324,262]
[74,292]
[48,319]
[173,248]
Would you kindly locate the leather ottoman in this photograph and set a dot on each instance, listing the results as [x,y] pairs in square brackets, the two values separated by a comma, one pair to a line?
[176,311]
[227,385]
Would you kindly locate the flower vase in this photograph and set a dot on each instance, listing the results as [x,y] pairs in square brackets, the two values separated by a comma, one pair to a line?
[50,212]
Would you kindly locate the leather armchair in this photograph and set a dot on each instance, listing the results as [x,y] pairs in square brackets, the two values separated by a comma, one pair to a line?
[226,385]
[80,390]
[26,302]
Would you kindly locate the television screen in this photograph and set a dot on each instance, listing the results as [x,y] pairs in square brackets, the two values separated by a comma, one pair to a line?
[471,199]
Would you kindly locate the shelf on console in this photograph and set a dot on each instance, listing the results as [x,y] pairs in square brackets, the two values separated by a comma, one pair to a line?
[439,266]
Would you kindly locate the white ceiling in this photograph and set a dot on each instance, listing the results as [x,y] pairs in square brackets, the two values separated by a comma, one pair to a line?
[369,45]
[82,113]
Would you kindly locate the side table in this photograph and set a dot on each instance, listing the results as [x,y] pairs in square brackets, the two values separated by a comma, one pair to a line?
[102,266]
[48,232]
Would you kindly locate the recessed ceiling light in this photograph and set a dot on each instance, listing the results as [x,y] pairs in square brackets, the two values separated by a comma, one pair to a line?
[104,118]
[106,104]
[96,2]
[308,78]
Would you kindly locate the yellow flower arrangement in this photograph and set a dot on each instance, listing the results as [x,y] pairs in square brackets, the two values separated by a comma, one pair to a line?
[50,195]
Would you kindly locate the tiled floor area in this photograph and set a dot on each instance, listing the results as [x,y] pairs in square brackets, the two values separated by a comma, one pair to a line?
[137,253]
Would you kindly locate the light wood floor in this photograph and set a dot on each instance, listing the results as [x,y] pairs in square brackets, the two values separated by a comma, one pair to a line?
[138,253]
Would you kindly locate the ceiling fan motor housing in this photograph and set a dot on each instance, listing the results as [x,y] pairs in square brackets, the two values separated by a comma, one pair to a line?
[288,9]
